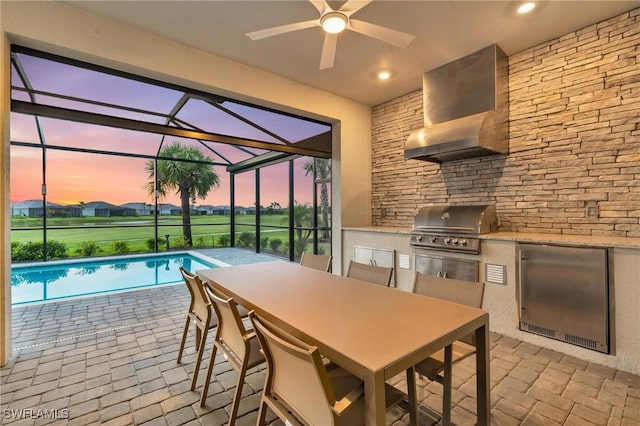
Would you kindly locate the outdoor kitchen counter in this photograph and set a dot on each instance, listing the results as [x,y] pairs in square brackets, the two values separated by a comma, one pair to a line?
[579,240]
[383,229]
[576,240]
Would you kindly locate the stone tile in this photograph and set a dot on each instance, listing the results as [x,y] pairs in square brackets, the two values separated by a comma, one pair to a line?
[125,383]
[180,416]
[550,412]
[122,372]
[588,379]
[179,401]
[29,364]
[126,394]
[93,393]
[86,407]
[120,410]
[542,394]
[154,397]
[124,420]
[512,409]
[589,414]
[148,413]
[156,384]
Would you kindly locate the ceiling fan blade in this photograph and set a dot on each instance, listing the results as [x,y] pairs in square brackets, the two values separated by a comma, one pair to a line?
[269,32]
[321,5]
[328,51]
[352,6]
[385,34]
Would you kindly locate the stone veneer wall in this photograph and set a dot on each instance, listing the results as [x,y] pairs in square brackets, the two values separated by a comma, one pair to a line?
[574,143]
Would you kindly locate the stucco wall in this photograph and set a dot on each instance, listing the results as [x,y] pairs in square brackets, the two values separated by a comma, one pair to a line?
[574,113]
[5,255]
[64,30]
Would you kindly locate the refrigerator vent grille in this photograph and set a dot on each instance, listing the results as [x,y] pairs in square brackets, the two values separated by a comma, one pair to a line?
[581,341]
[540,330]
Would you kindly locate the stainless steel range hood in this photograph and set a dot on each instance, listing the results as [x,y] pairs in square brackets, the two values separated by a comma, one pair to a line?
[465,109]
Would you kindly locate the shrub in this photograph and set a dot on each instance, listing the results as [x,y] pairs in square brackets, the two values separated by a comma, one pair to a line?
[151,243]
[120,247]
[300,246]
[34,251]
[179,243]
[224,240]
[88,248]
[275,244]
[247,239]
[264,243]
[56,250]
[200,242]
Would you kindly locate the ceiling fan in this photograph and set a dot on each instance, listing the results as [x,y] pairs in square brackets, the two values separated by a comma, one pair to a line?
[334,21]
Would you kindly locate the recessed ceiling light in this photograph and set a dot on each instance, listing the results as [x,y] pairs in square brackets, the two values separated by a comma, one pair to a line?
[384,75]
[526,7]
[334,22]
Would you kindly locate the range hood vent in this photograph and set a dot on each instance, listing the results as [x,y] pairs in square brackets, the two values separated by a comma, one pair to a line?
[465,109]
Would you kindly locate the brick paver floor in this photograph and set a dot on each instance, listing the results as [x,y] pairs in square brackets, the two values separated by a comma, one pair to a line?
[112,360]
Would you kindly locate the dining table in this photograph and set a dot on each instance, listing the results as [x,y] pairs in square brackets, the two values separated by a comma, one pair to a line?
[372,331]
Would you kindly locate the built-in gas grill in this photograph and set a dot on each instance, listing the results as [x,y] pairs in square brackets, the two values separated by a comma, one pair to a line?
[453,228]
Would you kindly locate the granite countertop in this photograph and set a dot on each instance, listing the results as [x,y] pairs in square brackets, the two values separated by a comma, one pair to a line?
[383,229]
[582,240]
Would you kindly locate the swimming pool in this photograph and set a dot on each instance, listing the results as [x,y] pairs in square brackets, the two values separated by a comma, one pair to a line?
[66,279]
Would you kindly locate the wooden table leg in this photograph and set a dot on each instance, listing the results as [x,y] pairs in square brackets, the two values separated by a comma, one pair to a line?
[446,397]
[411,395]
[483,382]
[374,400]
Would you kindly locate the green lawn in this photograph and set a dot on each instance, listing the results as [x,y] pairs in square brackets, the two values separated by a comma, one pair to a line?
[136,231]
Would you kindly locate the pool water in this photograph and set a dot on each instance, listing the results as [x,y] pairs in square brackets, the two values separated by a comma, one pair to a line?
[48,281]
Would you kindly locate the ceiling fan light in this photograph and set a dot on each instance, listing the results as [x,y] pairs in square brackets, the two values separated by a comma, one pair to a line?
[384,75]
[526,7]
[333,22]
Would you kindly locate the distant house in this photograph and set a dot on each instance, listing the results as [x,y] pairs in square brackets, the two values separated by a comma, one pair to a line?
[202,210]
[141,209]
[104,209]
[165,209]
[207,209]
[33,208]
[221,210]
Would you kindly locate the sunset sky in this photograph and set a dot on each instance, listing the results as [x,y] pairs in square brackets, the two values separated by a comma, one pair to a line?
[73,177]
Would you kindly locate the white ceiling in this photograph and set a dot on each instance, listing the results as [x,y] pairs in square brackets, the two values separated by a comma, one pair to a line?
[444,30]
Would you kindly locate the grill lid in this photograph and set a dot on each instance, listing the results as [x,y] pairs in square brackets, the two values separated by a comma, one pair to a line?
[468,220]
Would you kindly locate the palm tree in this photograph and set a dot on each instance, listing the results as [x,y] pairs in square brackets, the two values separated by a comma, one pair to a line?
[190,180]
[320,169]
[302,218]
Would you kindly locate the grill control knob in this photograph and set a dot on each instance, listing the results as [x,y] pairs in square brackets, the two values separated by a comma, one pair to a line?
[463,242]
[447,241]
[433,239]
[419,238]
[455,241]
